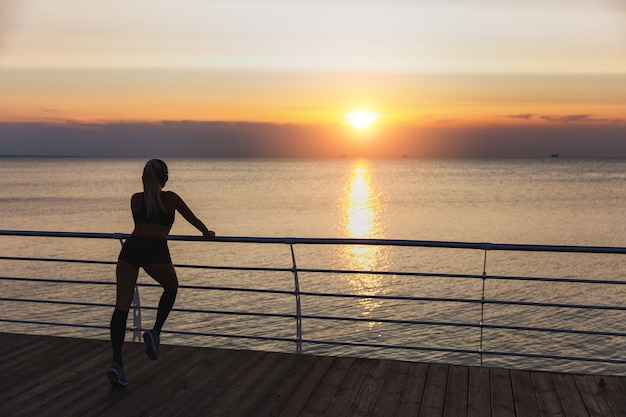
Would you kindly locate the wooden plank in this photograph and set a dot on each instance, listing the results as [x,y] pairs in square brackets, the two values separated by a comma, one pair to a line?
[370,389]
[322,398]
[18,348]
[502,402]
[411,398]
[265,386]
[547,396]
[571,400]
[478,393]
[57,378]
[435,391]
[65,376]
[526,404]
[232,389]
[392,388]
[279,394]
[456,402]
[169,377]
[27,377]
[207,380]
[302,394]
[94,385]
[347,391]
[622,382]
[615,394]
[242,388]
[79,380]
[589,390]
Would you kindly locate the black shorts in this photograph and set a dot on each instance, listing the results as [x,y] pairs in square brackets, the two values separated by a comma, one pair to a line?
[141,251]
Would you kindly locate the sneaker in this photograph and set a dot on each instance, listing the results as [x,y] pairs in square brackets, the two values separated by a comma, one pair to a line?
[151,339]
[116,375]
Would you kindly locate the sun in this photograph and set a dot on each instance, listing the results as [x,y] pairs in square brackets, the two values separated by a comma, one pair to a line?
[361,119]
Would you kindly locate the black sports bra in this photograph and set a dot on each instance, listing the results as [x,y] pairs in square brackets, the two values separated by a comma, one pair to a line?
[163,219]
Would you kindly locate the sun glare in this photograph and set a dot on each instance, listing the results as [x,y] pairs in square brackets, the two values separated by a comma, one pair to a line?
[361,119]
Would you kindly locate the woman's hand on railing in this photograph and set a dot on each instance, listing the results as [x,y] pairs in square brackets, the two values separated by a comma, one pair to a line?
[209,234]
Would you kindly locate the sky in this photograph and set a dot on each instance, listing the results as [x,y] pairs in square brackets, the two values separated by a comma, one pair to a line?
[228,78]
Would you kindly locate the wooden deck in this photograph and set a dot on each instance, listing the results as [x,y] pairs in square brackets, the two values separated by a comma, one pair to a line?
[53,376]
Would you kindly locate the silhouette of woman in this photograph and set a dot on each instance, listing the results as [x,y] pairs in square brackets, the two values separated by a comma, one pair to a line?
[153,213]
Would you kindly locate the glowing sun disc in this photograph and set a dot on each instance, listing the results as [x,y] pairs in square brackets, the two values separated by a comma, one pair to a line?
[361,119]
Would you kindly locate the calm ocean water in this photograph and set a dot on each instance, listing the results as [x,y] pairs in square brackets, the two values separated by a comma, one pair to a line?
[551,201]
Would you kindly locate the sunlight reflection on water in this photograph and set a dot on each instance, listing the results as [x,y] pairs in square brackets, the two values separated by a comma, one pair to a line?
[361,209]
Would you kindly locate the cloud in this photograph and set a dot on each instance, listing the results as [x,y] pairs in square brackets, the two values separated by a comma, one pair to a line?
[524,116]
[572,118]
[569,118]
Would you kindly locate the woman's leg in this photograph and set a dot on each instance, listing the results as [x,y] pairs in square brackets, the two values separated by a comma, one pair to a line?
[126,275]
[164,274]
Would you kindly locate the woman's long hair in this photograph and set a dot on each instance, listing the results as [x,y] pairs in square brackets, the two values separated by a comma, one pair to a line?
[154,177]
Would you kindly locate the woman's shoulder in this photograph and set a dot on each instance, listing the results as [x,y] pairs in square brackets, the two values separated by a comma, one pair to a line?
[170,196]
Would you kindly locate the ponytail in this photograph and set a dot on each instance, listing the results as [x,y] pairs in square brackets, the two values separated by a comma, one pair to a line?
[154,177]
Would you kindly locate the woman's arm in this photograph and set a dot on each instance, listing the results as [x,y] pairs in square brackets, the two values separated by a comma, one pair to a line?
[188,215]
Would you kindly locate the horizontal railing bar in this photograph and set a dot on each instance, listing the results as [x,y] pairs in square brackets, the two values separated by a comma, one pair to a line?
[230,335]
[459,324]
[63,302]
[340,241]
[59,281]
[229,312]
[85,235]
[182,332]
[555,279]
[237,289]
[557,305]
[234,268]
[391,297]
[76,261]
[389,321]
[552,330]
[386,346]
[389,273]
[52,323]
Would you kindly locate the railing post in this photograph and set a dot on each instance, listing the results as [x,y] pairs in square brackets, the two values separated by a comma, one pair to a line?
[298,305]
[136,316]
[485,247]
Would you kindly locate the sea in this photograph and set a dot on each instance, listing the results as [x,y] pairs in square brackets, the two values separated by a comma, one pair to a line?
[551,201]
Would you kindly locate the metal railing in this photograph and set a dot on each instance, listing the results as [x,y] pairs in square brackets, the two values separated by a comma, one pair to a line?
[301,317]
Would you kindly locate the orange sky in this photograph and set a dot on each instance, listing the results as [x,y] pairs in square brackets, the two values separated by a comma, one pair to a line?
[449,64]
[301,97]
